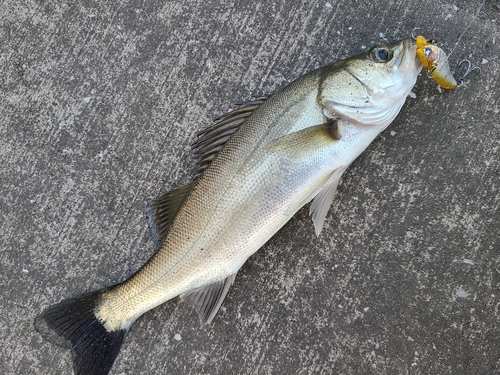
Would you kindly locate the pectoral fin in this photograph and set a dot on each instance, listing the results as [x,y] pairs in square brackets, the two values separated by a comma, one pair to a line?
[299,144]
[207,299]
[302,142]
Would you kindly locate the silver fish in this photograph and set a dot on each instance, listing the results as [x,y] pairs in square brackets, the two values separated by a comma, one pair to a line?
[258,166]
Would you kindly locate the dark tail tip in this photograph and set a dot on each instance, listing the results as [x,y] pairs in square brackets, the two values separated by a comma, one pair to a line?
[73,324]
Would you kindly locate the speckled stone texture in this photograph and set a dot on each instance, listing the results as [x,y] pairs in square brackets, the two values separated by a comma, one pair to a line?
[99,103]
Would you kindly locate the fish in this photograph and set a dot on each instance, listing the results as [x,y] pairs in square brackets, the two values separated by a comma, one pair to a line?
[258,166]
[435,60]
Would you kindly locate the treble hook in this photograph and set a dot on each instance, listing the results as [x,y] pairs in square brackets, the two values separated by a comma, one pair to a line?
[470,68]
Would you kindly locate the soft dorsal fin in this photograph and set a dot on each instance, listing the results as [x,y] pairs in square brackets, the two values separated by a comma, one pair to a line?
[207,299]
[161,211]
[211,140]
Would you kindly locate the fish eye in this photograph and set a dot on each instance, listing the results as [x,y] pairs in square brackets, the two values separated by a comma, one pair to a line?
[381,54]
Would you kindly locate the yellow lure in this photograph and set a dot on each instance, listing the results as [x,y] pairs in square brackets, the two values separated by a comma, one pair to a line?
[435,60]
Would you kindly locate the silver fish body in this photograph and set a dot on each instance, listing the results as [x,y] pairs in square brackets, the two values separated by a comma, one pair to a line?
[291,149]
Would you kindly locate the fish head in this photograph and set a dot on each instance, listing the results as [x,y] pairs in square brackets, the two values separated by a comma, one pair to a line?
[370,88]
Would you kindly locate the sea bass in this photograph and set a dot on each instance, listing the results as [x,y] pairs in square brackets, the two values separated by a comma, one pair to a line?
[258,166]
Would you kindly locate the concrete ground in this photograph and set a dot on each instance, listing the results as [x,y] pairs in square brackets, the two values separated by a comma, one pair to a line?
[99,104]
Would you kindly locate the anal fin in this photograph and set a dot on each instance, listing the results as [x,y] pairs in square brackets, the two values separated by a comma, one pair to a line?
[207,299]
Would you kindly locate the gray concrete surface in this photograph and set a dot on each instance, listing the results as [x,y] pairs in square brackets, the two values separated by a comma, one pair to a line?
[99,103]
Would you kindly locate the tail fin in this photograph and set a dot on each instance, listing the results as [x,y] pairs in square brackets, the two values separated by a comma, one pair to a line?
[73,324]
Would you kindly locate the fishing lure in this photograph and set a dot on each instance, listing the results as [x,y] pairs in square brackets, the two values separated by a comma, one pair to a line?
[435,60]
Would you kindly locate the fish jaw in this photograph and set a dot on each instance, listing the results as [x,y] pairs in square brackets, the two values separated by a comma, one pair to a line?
[410,63]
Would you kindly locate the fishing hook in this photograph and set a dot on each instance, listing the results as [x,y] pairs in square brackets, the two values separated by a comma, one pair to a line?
[470,68]
[431,41]
[413,35]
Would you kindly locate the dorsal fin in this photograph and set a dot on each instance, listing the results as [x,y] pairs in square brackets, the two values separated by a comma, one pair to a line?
[207,299]
[161,211]
[211,140]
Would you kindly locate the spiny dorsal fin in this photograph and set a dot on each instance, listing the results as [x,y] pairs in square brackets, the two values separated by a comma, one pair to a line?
[207,299]
[161,211]
[211,140]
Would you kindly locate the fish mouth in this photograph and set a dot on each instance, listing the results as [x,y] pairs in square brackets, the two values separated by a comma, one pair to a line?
[399,55]
[407,60]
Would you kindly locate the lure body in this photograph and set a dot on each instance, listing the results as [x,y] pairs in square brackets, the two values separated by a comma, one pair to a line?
[435,60]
